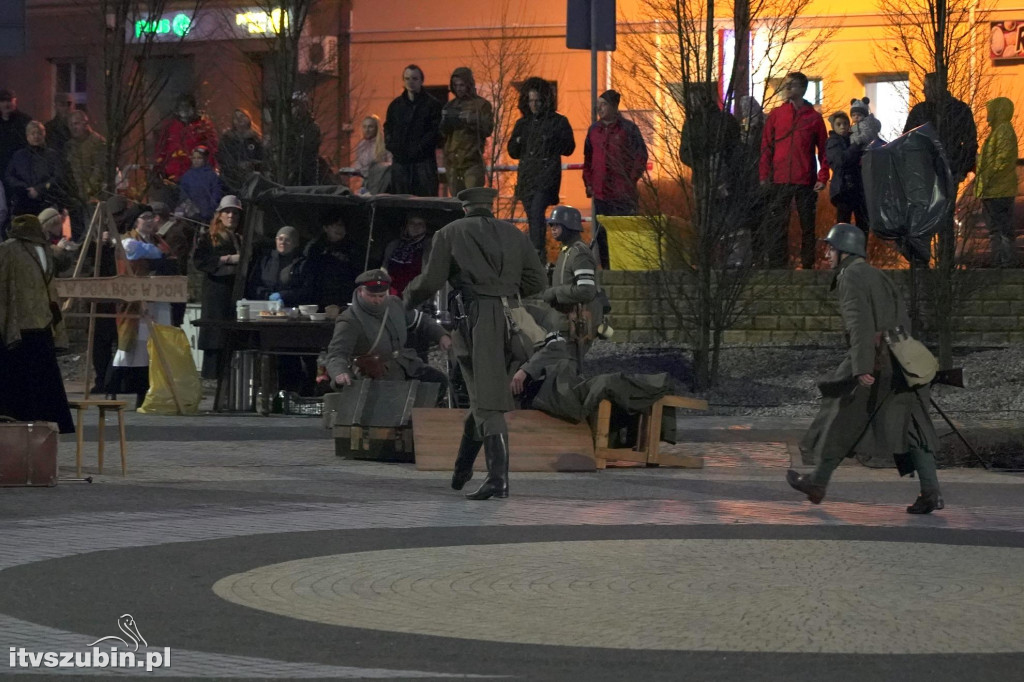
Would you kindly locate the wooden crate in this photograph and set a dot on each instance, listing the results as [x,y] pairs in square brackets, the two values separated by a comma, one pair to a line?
[647,450]
[386,444]
[537,442]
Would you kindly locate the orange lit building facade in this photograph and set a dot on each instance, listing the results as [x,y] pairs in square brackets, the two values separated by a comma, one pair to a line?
[386,35]
[372,40]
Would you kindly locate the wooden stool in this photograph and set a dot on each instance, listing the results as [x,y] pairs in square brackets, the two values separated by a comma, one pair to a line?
[103,405]
[647,450]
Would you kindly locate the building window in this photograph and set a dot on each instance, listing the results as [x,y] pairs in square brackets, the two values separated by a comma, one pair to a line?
[890,103]
[70,79]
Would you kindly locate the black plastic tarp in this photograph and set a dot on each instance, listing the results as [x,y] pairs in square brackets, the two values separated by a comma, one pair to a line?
[909,191]
[370,220]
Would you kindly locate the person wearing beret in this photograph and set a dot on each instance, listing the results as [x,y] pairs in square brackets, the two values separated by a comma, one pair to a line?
[32,328]
[370,337]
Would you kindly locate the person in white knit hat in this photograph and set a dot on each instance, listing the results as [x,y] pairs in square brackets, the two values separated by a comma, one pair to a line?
[864,127]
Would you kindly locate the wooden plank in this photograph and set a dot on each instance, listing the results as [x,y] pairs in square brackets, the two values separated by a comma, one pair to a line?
[682,401]
[671,459]
[537,442]
[171,288]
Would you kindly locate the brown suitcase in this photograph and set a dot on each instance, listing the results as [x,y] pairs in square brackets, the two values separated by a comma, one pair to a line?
[28,453]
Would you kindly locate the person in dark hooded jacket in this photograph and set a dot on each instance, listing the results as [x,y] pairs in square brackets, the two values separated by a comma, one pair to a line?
[540,137]
[466,123]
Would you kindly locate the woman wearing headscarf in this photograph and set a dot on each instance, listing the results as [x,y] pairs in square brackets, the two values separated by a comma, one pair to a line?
[281,275]
[31,387]
[216,256]
[145,251]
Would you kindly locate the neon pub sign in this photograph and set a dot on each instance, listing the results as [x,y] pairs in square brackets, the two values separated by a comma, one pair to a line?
[210,24]
[177,25]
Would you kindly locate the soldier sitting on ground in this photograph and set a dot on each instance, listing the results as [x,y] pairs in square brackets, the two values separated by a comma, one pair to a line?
[370,337]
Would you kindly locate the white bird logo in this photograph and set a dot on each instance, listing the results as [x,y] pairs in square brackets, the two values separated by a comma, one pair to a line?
[127,625]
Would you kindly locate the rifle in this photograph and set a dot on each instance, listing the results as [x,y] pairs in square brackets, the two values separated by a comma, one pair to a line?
[953,377]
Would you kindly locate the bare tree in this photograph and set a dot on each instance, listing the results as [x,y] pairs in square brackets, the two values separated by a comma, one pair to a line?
[944,37]
[501,63]
[702,209]
[135,33]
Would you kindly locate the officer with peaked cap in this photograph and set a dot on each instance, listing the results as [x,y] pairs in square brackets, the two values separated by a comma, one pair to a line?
[574,289]
[867,407]
[490,265]
[370,337]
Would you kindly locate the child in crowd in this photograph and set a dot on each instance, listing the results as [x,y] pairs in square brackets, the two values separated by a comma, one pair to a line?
[200,187]
[846,189]
[864,126]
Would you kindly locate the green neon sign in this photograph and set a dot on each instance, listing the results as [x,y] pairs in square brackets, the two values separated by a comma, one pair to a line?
[178,25]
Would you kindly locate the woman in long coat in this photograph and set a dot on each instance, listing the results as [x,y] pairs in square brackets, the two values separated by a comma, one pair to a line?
[31,388]
[216,256]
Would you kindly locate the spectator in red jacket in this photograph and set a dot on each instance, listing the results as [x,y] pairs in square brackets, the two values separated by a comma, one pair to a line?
[793,168]
[180,135]
[614,160]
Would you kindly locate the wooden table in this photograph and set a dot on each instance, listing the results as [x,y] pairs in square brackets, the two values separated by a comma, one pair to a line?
[268,337]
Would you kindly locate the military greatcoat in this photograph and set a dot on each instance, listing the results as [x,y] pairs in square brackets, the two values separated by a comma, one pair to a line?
[356,333]
[485,260]
[869,304]
[574,283]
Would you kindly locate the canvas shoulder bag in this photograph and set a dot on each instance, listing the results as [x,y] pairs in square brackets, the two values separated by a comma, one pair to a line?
[917,363]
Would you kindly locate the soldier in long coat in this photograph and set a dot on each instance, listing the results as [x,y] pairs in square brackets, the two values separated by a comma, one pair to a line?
[370,337]
[866,404]
[490,265]
[574,290]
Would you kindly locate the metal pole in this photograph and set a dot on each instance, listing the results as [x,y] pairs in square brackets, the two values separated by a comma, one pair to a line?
[593,113]
[593,61]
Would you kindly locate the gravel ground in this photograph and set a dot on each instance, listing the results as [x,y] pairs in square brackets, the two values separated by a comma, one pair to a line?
[781,381]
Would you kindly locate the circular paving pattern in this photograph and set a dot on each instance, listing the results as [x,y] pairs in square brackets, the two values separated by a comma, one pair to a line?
[713,595]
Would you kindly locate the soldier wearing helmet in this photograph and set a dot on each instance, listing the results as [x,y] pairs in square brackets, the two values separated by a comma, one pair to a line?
[867,408]
[574,289]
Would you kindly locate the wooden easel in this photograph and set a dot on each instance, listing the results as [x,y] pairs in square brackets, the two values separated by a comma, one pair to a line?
[93,234]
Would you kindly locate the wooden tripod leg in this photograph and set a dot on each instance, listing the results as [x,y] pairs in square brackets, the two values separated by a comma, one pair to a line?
[91,340]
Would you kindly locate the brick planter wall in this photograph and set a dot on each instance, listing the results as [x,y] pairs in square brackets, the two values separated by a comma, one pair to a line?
[796,307]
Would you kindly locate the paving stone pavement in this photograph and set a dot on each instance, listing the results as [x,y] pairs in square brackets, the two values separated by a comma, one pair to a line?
[251,551]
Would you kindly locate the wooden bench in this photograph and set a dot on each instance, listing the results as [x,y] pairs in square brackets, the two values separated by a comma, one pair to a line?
[647,449]
[102,405]
[537,442]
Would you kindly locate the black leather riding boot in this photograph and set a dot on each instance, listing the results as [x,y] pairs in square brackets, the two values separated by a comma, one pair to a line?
[496,485]
[469,448]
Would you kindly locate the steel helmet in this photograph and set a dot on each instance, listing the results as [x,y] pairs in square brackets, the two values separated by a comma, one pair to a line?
[566,216]
[847,238]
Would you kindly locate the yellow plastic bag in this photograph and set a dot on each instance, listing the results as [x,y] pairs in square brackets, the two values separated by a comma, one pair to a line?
[171,344]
